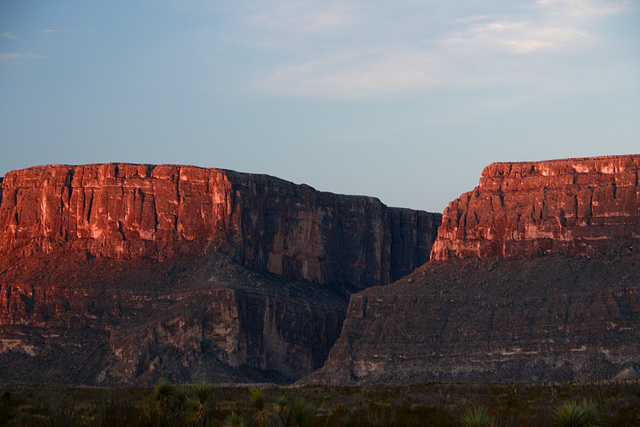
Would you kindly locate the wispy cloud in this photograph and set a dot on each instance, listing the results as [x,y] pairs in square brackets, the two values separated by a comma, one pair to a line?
[376,58]
[299,18]
[593,8]
[18,57]
[50,31]
[518,37]
[359,75]
[8,35]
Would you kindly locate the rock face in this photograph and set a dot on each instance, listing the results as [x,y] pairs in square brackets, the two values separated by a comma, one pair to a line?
[523,210]
[534,276]
[554,318]
[124,211]
[69,318]
[121,273]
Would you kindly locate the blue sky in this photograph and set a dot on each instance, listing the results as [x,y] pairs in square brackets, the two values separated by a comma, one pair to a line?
[406,101]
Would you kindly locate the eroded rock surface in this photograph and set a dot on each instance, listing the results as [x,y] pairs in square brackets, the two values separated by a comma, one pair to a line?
[120,273]
[554,318]
[124,211]
[538,279]
[521,210]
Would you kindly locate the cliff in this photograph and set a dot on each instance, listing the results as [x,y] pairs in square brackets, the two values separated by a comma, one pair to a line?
[534,276]
[124,211]
[583,206]
[121,273]
[554,318]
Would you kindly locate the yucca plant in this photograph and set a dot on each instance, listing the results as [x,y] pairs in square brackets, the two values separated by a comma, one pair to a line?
[576,414]
[162,392]
[171,404]
[200,404]
[476,416]
[282,410]
[301,414]
[235,420]
[257,401]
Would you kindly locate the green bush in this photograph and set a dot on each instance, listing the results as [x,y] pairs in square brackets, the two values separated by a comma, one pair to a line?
[201,405]
[576,414]
[235,420]
[301,413]
[476,416]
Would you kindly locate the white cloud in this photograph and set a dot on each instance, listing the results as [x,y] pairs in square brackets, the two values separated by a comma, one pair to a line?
[299,18]
[8,35]
[360,75]
[471,19]
[376,57]
[593,8]
[518,37]
[17,57]
[49,31]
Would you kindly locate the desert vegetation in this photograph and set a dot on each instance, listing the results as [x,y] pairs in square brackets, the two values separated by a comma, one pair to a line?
[436,404]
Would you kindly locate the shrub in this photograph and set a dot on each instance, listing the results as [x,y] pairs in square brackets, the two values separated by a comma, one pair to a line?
[171,404]
[257,401]
[235,420]
[476,416]
[257,398]
[162,393]
[301,414]
[575,414]
[201,405]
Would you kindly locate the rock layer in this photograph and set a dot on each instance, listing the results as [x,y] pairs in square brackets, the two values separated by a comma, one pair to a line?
[109,321]
[583,206]
[125,211]
[554,318]
[121,273]
[534,276]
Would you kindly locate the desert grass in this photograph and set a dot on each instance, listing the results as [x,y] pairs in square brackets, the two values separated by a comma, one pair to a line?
[433,404]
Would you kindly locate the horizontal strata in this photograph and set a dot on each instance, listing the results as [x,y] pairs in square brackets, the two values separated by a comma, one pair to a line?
[552,318]
[125,211]
[128,274]
[584,206]
[490,307]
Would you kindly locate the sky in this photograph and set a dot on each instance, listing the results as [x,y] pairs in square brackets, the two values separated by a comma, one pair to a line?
[406,101]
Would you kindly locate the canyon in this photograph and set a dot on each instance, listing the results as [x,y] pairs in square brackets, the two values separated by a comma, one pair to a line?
[127,274]
[534,276]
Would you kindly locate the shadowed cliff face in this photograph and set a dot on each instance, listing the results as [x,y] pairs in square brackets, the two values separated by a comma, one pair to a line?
[69,318]
[523,210]
[519,293]
[554,318]
[120,273]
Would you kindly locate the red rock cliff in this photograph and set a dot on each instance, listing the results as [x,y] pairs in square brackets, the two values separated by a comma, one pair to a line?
[522,210]
[127,274]
[125,211]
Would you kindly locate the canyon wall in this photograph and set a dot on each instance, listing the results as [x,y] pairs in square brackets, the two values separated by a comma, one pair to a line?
[553,318]
[535,275]
[583,206]
[128,274]
[124,211]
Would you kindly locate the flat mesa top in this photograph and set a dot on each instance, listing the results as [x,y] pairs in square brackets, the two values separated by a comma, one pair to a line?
[572,159]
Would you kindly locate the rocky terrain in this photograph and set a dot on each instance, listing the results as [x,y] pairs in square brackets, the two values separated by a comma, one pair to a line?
[524,210]
[121,273]
[126,274]
[535,275]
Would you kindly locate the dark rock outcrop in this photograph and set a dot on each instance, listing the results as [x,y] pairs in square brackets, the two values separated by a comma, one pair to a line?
[120,273]
[540,281]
